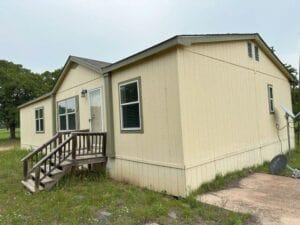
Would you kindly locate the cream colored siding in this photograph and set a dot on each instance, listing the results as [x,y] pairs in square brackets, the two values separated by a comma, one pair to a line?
[204,108]
[77,79]
[152,158]
[29,137]
[225,119]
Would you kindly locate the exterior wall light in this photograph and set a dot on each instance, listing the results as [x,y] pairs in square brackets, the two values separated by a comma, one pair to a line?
[83,93]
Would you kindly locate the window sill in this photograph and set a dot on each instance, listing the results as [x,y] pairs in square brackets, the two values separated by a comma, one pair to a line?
[141,131]
[39,132]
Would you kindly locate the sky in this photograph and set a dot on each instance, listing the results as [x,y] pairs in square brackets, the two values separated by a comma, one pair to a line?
[41,34]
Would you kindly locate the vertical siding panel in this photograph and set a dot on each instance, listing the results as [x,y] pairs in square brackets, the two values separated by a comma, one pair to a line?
[225,108]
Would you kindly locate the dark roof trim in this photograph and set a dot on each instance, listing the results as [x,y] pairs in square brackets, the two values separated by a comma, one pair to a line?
[186,40]
[47,95]
[88,63]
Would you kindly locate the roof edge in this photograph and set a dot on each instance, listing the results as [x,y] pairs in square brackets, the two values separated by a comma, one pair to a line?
[173,41]
[43,97]
[75,59]
[187,40]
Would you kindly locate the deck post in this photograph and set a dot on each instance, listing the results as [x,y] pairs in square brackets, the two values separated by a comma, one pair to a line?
[104,145]
[88,150]
[25,168]
[37,178]
[74,148]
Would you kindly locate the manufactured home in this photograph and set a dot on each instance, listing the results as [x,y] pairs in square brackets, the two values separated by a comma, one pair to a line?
[168,118]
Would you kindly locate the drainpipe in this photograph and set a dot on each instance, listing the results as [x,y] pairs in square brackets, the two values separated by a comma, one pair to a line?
[110,142]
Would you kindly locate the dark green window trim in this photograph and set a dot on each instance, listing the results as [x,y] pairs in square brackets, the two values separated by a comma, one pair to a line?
[77,117]
[141,128]
[39,120]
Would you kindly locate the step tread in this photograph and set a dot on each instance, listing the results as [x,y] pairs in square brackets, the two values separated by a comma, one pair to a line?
[30,185]
[45,180]
[65,163]
[53,172]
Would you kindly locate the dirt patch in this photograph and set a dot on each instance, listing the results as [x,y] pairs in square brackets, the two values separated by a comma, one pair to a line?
[9,144]
[272,200]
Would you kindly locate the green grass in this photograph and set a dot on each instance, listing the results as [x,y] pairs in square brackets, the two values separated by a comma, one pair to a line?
[4,134]
[81,198]
[6,142]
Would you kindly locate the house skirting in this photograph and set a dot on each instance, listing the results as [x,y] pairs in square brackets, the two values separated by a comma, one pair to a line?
[181,180]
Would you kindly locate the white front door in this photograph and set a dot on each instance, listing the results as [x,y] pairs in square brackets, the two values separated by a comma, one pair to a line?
[96,110]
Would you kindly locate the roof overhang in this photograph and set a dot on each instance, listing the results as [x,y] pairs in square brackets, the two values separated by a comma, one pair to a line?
[187,40]
[71,59]
[47,95]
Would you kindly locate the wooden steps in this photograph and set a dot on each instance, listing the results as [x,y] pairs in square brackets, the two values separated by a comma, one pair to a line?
[65,150]
[30,185]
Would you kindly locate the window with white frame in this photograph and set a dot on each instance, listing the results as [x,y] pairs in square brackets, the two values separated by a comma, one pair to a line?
[256,52]
[67,114]
[130,105]
[39,120]
[249,47]
[271,98]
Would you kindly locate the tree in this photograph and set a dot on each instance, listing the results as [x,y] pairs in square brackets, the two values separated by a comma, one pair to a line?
[50,78]
[294,85]
[17,86]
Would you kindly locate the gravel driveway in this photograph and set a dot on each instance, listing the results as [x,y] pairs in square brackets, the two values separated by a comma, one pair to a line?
[273,200]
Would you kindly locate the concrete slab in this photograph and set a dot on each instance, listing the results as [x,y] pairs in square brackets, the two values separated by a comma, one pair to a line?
[273,200]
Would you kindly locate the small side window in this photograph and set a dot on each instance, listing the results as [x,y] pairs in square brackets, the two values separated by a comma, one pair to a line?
[39,120]
[249,45]
[271,98]
[256,53]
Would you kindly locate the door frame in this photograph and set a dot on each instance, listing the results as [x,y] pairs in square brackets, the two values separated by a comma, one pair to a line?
[101,105]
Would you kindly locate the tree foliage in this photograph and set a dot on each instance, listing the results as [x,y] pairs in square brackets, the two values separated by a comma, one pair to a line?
[49,78]
[17,86]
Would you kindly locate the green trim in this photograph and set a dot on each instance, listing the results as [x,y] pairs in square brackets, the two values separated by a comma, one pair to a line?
[139,130]
[110,143]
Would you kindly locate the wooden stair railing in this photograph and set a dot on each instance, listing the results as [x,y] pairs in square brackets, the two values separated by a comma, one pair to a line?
[79,148]
[54,159]
[32,158]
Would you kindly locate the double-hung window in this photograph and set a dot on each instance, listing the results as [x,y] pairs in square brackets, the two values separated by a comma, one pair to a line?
[130,105]
[271,98]
[39,120]
[249,46]
[67,114]
[256,53]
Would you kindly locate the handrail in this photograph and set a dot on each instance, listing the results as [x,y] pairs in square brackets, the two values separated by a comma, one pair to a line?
[88,133]
[78,144]
[41,147]
[52,152]
[49,142]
